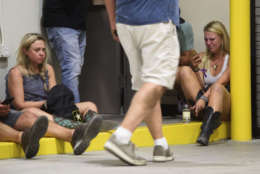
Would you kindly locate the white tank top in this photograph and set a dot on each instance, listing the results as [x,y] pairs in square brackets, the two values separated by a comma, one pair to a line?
[210,79]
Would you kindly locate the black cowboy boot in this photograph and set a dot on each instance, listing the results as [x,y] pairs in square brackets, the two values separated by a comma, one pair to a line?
[211,121]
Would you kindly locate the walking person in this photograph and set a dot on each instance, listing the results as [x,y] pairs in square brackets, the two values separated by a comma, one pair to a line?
[65,24]
[147,31]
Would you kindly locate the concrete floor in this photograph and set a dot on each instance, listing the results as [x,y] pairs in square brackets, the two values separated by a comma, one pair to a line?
[227,157]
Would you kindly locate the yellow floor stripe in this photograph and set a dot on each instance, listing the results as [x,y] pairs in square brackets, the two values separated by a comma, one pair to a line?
[177,133]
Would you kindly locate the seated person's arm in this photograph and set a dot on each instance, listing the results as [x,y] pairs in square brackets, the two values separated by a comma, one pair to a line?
[15,88]
[185,58]
[51,74]
[225,77]
[190,58]
[4,109]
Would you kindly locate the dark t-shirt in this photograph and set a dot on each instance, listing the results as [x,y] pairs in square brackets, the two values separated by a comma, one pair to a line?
[65,13]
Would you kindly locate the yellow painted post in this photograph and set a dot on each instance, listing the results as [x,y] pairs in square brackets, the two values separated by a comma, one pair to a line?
[240,70]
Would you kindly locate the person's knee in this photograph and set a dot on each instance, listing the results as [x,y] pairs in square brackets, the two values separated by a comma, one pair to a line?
[31,110]
[217,89]
[91,106]
[28,116]
[154,90]
[38,112]
[184,71]
[26,119]
[159,90]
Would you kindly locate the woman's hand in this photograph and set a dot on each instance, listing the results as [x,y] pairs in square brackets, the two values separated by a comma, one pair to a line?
[199,105]
[4,110]
[195,61]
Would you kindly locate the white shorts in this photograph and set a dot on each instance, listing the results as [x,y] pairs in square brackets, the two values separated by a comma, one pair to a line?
[153,53]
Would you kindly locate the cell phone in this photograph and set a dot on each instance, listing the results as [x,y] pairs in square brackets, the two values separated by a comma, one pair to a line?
[8,101]
[193,52]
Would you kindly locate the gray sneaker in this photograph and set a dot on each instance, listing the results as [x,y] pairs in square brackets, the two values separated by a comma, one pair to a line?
[125,152]
[31,138]
[84,133]
[162,155]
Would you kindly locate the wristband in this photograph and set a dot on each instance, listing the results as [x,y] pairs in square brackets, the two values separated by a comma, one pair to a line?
[200,93]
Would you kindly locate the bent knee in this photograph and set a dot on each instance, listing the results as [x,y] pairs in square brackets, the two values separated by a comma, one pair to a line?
[30,110]
[92,106]
[28,116]
[185,71]
[217,88]
[85,106]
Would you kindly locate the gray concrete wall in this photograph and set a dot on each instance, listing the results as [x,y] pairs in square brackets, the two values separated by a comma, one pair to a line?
[200,12]
[18,17]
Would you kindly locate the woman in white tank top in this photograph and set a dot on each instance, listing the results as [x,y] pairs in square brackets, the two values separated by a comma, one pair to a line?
[204,83]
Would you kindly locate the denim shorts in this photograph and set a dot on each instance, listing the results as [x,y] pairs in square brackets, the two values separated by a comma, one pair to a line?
[11,118]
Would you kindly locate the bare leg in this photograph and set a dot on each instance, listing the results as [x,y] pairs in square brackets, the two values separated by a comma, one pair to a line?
[57,131]
[154,122]
[54,130]
[25,121]
[189,82]
[219,108]
[219,100]
[85,106]
[144,104]
[38,112]
[9,134]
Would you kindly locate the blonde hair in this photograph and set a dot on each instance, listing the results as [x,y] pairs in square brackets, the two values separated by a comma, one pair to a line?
[218,28]
[24,62]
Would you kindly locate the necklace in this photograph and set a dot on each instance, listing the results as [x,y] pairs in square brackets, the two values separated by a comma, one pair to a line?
[215,66]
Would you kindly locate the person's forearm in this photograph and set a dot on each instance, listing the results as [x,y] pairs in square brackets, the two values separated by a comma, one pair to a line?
[184,61]
[110,6]
[4,109]
[225,77]
[29,104]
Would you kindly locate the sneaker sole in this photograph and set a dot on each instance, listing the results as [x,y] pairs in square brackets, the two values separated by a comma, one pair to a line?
[162,158]
[38,130]
[113,149]
[90,132]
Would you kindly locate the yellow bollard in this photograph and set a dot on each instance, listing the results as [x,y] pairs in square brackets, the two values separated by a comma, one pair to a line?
[241,126]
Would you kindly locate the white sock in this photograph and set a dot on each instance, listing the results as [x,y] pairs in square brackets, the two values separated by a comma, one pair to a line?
[161,142]
[123,135]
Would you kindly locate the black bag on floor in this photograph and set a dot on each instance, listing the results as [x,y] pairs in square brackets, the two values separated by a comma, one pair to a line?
[60,102]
